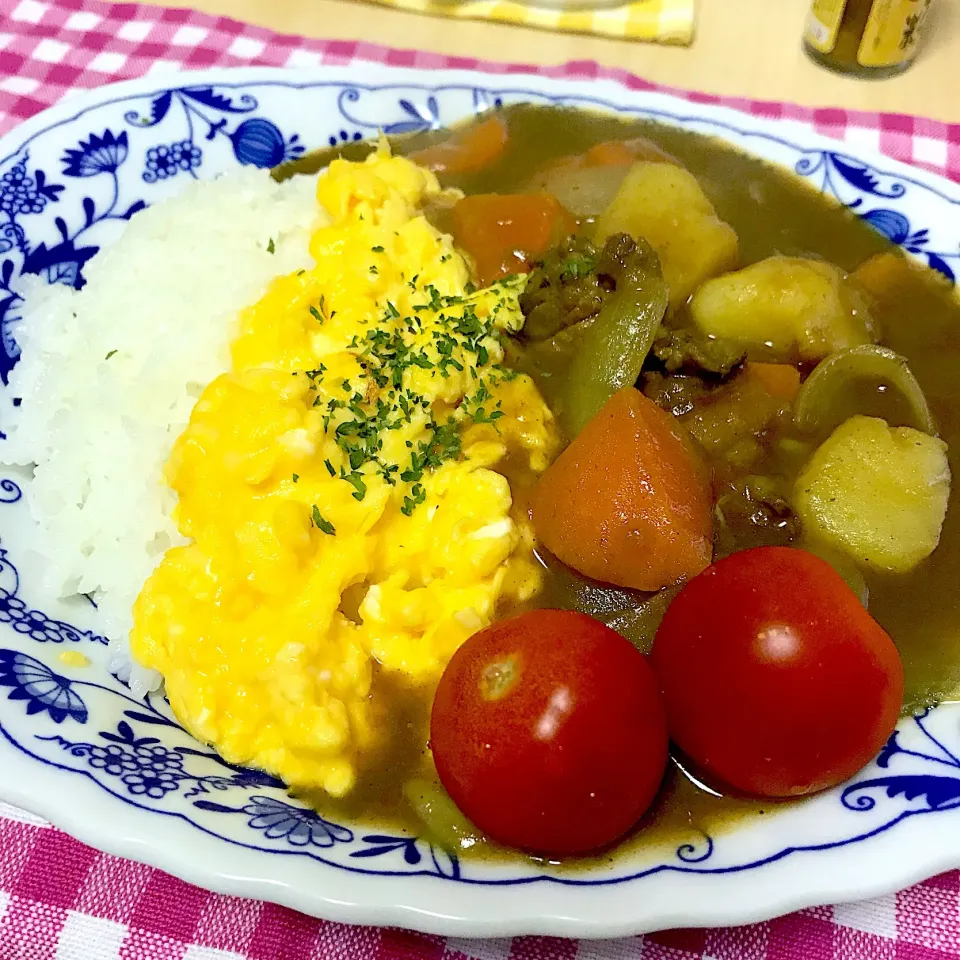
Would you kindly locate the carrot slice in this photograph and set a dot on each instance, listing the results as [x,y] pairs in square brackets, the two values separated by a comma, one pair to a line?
[628,502]
[623,153]
[615,153]
[883,274]
[469,151]
[780,380]
[504,232]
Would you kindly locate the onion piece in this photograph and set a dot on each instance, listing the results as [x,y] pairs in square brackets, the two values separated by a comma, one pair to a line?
[814,411]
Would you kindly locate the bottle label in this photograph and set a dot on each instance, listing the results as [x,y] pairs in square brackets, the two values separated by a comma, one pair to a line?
[892,32]
[823,23]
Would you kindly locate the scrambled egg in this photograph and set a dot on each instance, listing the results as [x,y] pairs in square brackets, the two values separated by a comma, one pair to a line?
[340,491]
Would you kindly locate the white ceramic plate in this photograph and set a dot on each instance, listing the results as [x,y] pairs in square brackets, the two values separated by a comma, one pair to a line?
[121,775]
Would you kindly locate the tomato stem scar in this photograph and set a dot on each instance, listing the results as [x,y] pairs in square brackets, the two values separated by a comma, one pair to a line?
[500,677]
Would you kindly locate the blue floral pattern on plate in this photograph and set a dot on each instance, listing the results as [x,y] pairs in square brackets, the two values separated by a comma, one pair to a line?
[64,191]
[41,688]
[853,183]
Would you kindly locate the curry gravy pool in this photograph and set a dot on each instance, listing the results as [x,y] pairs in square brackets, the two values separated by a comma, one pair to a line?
[412,385]
[772,212]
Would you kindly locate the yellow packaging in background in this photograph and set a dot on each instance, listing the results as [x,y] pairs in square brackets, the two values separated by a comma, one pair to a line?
[866,38]
[823,23]
[658,21]
[892,31]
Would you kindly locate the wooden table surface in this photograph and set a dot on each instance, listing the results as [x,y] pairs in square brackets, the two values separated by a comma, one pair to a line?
[742,47]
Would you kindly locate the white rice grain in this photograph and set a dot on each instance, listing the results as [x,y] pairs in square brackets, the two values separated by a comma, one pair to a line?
[109,374]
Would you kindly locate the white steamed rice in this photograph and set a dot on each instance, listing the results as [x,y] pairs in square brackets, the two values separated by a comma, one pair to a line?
[163,301]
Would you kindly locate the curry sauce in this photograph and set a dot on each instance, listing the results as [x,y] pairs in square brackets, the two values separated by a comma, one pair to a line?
[772,213]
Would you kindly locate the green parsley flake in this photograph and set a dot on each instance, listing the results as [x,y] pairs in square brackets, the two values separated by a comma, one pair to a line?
[110,354]
[387,471]
[480,416]
[411,502]
[270,246]
[460,338]
[356,481]
[576,266]
[377,249]
[296,477]
[325,526]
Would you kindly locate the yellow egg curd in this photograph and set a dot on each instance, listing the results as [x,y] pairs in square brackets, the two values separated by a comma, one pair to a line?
[339,487]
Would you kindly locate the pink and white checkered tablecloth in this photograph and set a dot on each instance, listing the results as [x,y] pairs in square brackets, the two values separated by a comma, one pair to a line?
[60,900]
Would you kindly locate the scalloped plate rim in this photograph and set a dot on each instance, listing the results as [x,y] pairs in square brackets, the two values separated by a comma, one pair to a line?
[865,880]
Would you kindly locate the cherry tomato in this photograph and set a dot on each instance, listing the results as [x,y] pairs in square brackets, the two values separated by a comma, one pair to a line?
[548,731]
[776,679]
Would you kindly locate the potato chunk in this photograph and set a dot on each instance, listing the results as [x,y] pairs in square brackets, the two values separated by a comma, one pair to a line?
[799,309]
[876,492]
[664,204]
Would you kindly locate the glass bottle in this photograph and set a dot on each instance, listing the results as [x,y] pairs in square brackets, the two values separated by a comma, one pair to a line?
[867,38]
